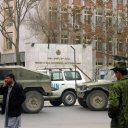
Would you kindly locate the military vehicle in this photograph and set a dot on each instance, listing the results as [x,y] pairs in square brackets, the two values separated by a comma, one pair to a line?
[36,85]
[94,94]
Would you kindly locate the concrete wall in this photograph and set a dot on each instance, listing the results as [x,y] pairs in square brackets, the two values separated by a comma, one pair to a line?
[38,56]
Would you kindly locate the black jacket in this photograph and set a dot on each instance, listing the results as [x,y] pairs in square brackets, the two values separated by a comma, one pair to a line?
[16,98]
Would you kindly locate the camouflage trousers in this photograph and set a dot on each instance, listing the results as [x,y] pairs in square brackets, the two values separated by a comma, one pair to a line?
[115,124]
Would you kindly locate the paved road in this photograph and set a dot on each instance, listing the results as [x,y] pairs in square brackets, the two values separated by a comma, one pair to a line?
[64,117]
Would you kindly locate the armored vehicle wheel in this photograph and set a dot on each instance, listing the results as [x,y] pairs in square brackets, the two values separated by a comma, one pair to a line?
[34,102]
[69,98]
[97,100]
[82,103]
[55,102]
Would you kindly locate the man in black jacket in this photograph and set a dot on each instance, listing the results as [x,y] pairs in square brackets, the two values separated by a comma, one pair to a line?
[13,97]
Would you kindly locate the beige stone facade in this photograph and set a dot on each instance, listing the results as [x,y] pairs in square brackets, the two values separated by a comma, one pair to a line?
[101,23]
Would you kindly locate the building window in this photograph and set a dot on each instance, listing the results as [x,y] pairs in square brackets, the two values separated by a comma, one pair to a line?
[99,44]
[8,16]
[98,62]
[53,38]
[87,16]
[109,45]
[108,18]
[99,16]
[77,40]
[53,16]
[77,17]
[53,13]
[64,39]
[120,23]
[9,41]
[120,1]
[120,47]
[64,18]
[86,40]
[64,14]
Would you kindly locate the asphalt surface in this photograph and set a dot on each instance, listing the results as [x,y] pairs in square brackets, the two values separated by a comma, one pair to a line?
[64,117]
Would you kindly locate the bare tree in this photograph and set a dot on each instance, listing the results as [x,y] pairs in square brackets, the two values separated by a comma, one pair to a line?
[70,23]
[112,27]
[40,25]
[52,22]
[14,12]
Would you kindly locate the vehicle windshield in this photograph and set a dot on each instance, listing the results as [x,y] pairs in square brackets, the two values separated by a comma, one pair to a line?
[109,75]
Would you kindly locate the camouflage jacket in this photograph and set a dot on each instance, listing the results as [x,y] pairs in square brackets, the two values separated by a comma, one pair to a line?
[118,104]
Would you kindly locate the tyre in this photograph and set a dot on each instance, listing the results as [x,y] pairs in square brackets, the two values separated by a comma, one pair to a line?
[55,102]
[97,100]
[82,103]
[69,98]
[34,102]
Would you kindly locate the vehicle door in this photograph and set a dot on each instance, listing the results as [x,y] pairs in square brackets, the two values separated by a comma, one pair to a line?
[57,80]
[71,78]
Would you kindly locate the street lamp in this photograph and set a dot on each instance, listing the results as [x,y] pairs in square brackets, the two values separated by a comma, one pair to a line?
[74,63]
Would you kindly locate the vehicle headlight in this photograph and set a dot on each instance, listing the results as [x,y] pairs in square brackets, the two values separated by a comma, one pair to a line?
[82,88]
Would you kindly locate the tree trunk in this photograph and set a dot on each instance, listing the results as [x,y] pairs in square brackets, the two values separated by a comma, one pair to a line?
[18,61]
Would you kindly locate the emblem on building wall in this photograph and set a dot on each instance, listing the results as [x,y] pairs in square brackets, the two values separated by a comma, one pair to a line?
[58,52]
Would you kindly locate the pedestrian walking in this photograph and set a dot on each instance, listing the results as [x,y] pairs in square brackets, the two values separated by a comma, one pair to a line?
[13,97]
[118,98]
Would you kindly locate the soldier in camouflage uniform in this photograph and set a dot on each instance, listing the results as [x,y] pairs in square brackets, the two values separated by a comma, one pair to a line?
[118,98]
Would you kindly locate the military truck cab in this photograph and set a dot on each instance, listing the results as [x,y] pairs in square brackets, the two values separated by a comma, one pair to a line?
[94,94]
[36,85]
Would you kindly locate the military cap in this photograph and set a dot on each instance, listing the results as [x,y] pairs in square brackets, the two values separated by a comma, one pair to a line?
[119,66]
